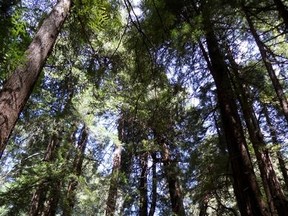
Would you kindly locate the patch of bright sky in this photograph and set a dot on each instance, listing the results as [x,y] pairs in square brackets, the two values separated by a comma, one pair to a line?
[41,5]
[251,48]
[136,12]
[137,9]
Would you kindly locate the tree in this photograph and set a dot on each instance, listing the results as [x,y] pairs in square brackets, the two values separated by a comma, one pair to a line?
[158,107]
[143,210]
[250,201]
[274,193]
[267,62]
[276,142]
[77,170]
[39,198]
[114,182]
[17,88]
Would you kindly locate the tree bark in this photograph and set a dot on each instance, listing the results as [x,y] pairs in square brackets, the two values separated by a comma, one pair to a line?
[154,187]
[171,171]
[77,171]
[53,199]
[204,205]
[143,209]
[40,195]
[268,65]
[38,200]
[112,194]
[281,161]
[246,189]
[18,87]
[272,186]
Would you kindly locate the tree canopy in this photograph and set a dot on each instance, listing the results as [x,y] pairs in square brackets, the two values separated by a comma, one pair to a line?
[146,107]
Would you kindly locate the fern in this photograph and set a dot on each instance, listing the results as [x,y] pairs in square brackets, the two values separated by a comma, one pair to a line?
[103,16]
[94,13]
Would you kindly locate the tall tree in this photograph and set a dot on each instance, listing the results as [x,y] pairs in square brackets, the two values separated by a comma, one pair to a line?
[143,209]
[76,170]
[154,187]
[193,119]
[171,170]
[275,141]
[114,183]
[18,87]
[40,195]
[245,185]
[267,62]
[274,193]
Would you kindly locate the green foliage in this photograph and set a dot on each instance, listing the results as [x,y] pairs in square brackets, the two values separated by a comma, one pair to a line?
[135,85]
[14,41]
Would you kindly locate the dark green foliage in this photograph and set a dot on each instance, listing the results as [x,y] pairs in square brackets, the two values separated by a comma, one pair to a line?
[143,84]
[14,37]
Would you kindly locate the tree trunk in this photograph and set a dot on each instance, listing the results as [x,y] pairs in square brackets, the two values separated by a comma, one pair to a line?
[204,205]
[77,170]
[154,187]
[112,195]
[171,171]
[272,186]
[53,199]
[143,186]
[275,141]
[38,200]
[39,196]
[246,189]
[18,87]
[276,84]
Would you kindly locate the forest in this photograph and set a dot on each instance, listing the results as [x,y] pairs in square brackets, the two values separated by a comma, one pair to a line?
[144,107]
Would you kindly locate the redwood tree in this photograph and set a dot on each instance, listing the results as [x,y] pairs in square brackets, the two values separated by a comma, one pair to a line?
[18,87]
[246,188]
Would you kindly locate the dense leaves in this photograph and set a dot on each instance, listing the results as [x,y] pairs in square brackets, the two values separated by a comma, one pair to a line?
[149,108]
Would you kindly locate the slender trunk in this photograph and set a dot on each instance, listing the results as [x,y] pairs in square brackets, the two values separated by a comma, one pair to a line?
[112,194]
[18,87]
[282,166]
[276,84]
[281,161]
[171,171]
[143,186]
[222,147]
[125,135]
[221,136]
[246,189]
[204,205]
[39,196]
[38,200]
[272,186]
[257,141]
[154,187]
[77,170]
[283,12]
[53,199]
